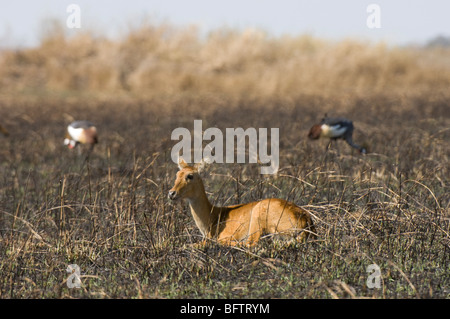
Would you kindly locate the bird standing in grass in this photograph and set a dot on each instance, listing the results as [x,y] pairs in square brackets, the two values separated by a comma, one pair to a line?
[81,132]
[334,129]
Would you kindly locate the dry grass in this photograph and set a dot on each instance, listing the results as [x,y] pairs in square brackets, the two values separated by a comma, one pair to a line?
[111,215]
[162,59]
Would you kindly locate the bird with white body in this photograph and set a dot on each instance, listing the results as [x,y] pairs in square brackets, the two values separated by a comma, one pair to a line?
[334,129]
[81,132]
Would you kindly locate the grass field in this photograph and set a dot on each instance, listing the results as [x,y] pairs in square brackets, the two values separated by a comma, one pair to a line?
[110,215]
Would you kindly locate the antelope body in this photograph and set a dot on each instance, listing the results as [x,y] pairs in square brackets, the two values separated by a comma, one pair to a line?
[244,223]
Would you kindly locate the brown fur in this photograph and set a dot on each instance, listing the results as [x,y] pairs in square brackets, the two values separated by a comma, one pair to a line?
[236,224]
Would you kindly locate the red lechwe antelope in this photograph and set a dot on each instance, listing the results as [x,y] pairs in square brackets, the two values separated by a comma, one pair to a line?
[244,223]
[81,132]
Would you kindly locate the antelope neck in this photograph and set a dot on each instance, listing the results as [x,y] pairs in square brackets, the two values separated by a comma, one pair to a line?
[202,211]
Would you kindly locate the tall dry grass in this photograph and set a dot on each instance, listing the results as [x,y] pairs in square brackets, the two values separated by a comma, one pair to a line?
[163,59]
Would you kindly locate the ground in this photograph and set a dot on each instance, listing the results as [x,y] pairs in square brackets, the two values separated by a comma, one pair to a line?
[110,214]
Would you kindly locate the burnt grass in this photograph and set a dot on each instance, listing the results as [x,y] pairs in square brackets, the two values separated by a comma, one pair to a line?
[110,214]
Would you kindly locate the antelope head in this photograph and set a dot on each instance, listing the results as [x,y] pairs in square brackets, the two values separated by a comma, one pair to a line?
[188,182]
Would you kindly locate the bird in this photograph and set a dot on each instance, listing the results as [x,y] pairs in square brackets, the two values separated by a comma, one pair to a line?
[4,131]
[334,129]
[81,132]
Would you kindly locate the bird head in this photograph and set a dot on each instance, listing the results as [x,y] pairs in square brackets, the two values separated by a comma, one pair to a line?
[315,131]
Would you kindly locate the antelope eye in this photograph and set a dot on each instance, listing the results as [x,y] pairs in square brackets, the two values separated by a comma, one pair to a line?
[190,176]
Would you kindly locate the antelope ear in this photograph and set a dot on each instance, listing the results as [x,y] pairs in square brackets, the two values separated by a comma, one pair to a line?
[182,163]
[203,164]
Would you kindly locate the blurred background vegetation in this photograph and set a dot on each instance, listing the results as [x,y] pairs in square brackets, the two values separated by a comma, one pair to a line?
[163,59]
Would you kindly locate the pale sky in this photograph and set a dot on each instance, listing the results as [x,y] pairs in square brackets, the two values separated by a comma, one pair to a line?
[402,21]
